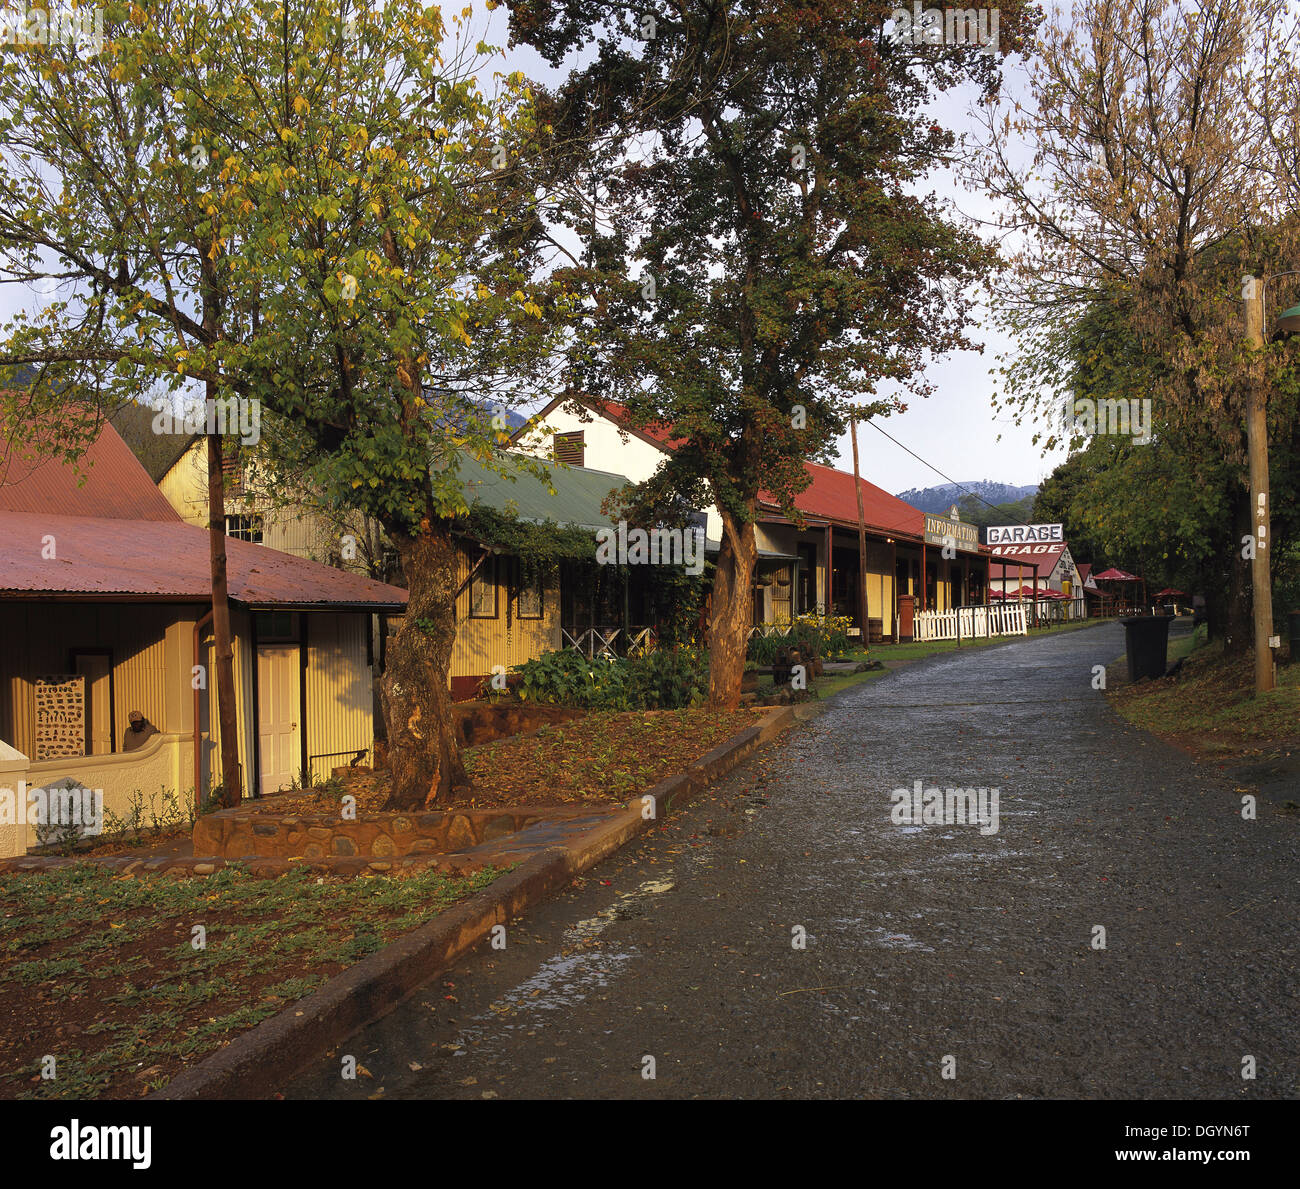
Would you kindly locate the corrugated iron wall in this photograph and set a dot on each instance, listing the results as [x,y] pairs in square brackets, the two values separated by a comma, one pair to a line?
[340,698]
[483,643]
[241,628]
[39,638]
[185,486]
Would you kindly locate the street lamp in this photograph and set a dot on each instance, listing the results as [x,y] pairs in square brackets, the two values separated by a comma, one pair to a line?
[1288,322]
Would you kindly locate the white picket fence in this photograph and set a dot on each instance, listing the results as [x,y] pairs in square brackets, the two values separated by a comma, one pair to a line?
[970,623]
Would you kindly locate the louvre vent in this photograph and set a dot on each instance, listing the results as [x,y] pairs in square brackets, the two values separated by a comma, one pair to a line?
[569,448]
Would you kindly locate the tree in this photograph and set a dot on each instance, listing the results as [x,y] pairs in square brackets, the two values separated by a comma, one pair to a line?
[763,260]
[102,198]
[1162,170]
[1055,503]
[313,207]
[392,250]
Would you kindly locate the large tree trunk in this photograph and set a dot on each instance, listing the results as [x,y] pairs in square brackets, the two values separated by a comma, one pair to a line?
[223,647]
[732,613]
[424,760]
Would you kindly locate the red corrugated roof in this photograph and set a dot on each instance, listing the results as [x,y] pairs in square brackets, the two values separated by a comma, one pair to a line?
[662,433]
[113,485]
[1041,559]
[830,495]
[167,561]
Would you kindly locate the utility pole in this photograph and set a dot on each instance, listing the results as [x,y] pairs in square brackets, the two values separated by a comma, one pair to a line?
[862,537]
[1252,293]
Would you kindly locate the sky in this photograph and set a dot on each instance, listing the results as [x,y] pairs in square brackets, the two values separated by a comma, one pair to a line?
[955,430]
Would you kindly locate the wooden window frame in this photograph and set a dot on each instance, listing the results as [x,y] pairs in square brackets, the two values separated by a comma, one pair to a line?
[252,522]
[487,571]
[265,636]
[540,577]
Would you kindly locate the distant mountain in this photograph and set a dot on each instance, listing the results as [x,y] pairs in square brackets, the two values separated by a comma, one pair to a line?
[941,498]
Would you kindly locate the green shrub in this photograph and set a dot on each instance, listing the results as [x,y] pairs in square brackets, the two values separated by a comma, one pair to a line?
[814,636]
[669,679]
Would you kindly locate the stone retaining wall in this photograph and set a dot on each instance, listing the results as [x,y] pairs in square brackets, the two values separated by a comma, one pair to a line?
[243,832]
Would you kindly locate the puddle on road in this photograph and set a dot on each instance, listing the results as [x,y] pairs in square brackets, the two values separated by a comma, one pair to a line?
[568,978]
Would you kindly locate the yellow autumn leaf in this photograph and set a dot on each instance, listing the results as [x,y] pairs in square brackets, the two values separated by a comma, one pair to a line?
[300,104]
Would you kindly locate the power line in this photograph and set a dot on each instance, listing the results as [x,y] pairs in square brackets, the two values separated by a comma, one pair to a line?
[938,472]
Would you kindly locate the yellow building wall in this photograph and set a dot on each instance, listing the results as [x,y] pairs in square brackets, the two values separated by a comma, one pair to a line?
[185,486]
[39,638]
[482,644]
[297,530]
[340,694]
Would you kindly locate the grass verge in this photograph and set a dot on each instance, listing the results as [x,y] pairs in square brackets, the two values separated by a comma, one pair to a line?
[1210,708]
[101,983]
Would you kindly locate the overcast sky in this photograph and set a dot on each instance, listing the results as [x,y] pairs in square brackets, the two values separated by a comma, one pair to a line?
[955,430]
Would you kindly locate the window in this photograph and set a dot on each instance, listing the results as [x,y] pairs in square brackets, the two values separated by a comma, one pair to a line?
[245,528]
[569,448]
[483,591]
[276,625]
[531,590]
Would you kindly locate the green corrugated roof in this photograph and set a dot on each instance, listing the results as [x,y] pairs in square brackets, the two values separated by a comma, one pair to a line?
[579,493]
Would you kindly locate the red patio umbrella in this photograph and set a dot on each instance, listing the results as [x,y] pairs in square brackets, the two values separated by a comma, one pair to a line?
[1114,575]
[1169,590]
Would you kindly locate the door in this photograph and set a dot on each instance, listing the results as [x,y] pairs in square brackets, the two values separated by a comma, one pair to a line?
[97,669]
[807,579]
[279,751]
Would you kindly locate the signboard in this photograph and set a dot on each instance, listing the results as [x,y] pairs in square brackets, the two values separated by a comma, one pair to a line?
[1025,534]
[60,717]
[949,530]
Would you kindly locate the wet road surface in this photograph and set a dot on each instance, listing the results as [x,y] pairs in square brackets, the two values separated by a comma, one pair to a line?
[929,948]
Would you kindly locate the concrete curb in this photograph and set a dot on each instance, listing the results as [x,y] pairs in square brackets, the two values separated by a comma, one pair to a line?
[256,1063]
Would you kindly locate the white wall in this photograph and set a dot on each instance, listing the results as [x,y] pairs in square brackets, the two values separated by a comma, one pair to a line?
[163,767]
[607,448]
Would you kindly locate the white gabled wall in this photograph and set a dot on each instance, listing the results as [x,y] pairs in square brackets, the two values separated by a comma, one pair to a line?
[608,448]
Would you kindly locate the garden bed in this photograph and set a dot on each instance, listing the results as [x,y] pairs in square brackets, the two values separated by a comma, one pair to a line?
[100,972]
[97,965]
[598,758]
